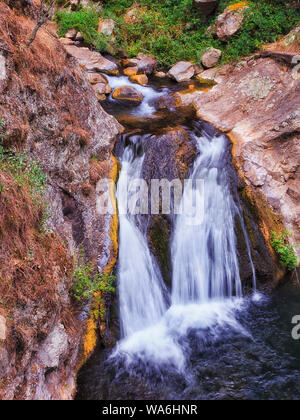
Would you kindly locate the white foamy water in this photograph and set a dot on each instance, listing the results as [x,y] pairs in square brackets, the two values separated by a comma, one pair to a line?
[205,257]
[149,94]
[141,288]
[206,283]
[165,343]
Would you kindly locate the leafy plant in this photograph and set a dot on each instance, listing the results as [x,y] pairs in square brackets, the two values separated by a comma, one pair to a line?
[86,282]
[284,250]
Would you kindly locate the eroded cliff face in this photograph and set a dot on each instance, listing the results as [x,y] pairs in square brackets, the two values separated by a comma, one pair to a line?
[256,102]
[51,112]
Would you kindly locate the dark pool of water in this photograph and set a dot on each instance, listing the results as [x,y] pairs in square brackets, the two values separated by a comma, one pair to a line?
[229,366]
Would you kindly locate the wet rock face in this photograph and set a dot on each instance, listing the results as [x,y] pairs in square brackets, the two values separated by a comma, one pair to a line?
[128,95]
[140,79]
[168,156]
[51,111]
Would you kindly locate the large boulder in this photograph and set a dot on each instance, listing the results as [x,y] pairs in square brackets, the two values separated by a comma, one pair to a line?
[128,94]
[182,71]
[230,22]
[206,7]
[211,57]
[92,61]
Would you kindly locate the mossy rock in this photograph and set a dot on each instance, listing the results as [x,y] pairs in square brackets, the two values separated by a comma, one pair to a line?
[159,241]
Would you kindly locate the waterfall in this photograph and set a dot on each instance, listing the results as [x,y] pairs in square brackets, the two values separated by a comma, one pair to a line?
[205,258]
[141,289]
[206,286]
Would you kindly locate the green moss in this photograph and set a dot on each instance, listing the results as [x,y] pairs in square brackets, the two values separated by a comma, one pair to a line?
[159,238]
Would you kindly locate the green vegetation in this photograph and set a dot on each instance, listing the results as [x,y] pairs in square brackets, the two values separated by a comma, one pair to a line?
[173,30]
[25,171]
[87,283]
[285,251]
[84,21]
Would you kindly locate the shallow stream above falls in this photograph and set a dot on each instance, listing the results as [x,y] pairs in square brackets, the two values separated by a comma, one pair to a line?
[192,324]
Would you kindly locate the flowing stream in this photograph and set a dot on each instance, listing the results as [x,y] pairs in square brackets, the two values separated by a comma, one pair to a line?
[203,338]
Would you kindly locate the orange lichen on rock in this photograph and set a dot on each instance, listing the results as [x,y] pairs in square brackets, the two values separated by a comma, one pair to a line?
[140,79]
[90,338]
[130,71]
[238,6]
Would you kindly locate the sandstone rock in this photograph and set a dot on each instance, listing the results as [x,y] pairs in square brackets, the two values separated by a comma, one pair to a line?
[160,75]
[146,64]
[71,34]
[79,37]
[229,22]
[106,27]
[211,57]
[95,78]
[101,89]
[2,328]
[66,41]
[128,94]
[140,79]
[54,347]
[206,7]
[130,71]
[131,62]
[92,61]
[182,71]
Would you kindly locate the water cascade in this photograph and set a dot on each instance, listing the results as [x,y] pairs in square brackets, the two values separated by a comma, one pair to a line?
[205,258]
[197,339]
[141,287]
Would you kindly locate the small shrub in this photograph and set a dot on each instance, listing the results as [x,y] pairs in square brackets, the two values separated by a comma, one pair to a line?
[284,250]
[86,282]
[84,21]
